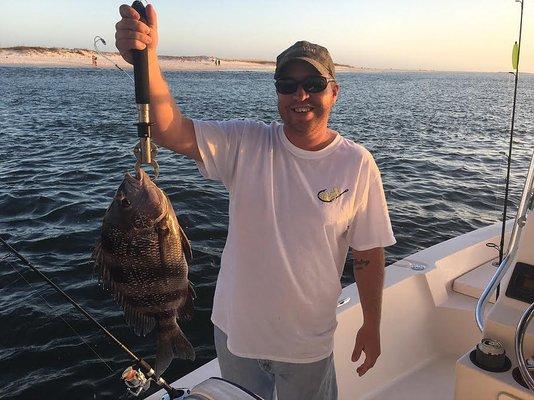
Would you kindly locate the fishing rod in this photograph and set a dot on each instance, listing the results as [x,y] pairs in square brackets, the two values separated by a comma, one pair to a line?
[137,377]
[515,64]
[145,151]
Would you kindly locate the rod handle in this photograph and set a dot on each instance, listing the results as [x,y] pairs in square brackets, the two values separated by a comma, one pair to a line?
[140,63]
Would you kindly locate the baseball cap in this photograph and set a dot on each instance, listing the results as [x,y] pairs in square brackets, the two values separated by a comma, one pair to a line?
[318,56]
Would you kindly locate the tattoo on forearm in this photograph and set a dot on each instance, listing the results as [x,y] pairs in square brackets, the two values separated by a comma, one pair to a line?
[360,263]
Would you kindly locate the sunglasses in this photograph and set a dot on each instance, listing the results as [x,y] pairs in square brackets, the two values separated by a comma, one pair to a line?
[312,84]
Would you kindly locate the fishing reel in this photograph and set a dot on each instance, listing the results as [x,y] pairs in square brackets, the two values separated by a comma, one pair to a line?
[135,380]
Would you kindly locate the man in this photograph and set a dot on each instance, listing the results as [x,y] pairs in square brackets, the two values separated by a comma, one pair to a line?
[300,196]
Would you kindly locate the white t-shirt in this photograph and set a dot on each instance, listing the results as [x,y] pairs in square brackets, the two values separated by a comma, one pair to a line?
[293,215]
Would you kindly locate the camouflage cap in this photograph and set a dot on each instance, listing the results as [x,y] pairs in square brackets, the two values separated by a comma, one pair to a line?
[317,56]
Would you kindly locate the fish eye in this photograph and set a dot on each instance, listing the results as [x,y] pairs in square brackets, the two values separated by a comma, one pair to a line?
[125,203]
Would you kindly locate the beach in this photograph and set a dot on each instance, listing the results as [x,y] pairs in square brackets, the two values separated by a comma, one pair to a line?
[83,58]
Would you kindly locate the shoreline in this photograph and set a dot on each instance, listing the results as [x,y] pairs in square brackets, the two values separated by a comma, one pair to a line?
[50,57]
[54,57]
[83,58]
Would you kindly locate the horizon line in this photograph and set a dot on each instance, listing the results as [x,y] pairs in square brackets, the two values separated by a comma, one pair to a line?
[258,61]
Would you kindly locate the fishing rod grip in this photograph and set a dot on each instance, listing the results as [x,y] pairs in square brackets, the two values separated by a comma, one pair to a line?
[140,63]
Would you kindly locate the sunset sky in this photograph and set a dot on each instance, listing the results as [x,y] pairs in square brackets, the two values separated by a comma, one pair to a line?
[468,35]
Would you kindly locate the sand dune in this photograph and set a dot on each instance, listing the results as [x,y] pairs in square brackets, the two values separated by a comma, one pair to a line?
[80,58]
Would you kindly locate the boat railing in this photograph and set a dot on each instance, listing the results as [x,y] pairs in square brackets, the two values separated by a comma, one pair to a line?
[520,331]
[520,220]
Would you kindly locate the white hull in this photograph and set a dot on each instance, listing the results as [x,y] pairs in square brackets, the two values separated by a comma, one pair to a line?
[427,325]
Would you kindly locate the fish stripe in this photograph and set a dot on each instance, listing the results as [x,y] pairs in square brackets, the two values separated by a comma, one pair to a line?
[121,271]
[141,258]
[160,286]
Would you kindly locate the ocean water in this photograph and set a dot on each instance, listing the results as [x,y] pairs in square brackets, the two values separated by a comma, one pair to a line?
[67,137]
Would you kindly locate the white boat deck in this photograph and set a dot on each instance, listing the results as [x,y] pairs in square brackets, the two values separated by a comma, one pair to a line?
[432,379]
[472,283]
[427,326]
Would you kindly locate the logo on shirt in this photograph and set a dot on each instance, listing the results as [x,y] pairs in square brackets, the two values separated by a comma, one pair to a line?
[327,196]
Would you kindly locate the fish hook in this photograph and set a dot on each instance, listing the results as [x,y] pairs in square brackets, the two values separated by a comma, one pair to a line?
[95,45]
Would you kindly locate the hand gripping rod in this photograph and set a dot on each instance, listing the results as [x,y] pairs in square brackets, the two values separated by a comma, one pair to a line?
[145,151]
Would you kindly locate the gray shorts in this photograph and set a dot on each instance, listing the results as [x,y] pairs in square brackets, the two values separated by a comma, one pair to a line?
[278,380]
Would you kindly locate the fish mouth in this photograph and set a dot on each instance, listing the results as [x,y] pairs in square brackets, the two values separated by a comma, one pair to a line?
[133,183]
[130,183]
[136,180]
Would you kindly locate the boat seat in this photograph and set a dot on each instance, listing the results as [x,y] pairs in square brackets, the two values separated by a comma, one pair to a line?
[474,282]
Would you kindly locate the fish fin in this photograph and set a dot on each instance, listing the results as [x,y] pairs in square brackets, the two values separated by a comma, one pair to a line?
[170,345]
[101,266]
[97,256]
[142,324]
[186,245]
[192,291]
[188,308]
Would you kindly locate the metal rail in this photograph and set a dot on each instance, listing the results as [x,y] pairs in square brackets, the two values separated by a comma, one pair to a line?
[519,223]
[519,337]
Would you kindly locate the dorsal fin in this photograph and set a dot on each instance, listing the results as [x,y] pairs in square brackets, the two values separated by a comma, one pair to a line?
[186,245]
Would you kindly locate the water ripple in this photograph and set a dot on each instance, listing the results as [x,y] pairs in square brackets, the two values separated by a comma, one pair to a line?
[439,139]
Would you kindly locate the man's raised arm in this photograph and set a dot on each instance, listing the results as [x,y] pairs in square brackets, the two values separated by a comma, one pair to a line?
[171,130]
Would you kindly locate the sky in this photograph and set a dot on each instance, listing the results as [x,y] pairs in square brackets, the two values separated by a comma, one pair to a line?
[445,35]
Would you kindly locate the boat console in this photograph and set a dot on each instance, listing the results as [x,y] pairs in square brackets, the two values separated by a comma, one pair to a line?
[501,366]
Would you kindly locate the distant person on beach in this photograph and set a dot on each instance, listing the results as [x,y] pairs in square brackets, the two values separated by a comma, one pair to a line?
[300,195]
[94,59]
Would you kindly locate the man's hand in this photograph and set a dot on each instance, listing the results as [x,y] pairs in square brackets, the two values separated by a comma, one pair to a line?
[368,341]
[131,33]
[369,276]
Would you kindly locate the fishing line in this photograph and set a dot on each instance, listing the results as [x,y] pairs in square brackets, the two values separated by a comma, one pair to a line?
[64,294]
[100,39]
[515,62]
[36,291]
[4,259]
[131,377]
[95,45]
[516,51]
[503,158]
[499,201]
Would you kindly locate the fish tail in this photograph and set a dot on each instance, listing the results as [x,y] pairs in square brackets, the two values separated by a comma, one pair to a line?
[171,343]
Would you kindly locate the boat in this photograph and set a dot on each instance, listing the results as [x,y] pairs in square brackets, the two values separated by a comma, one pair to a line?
[455,319]
[437,341]
[455,324]
[433,304]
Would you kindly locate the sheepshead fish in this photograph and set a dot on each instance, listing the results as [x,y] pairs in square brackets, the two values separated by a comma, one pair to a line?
[141,259]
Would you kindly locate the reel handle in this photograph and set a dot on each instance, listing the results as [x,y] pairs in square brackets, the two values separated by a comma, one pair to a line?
[140,63]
